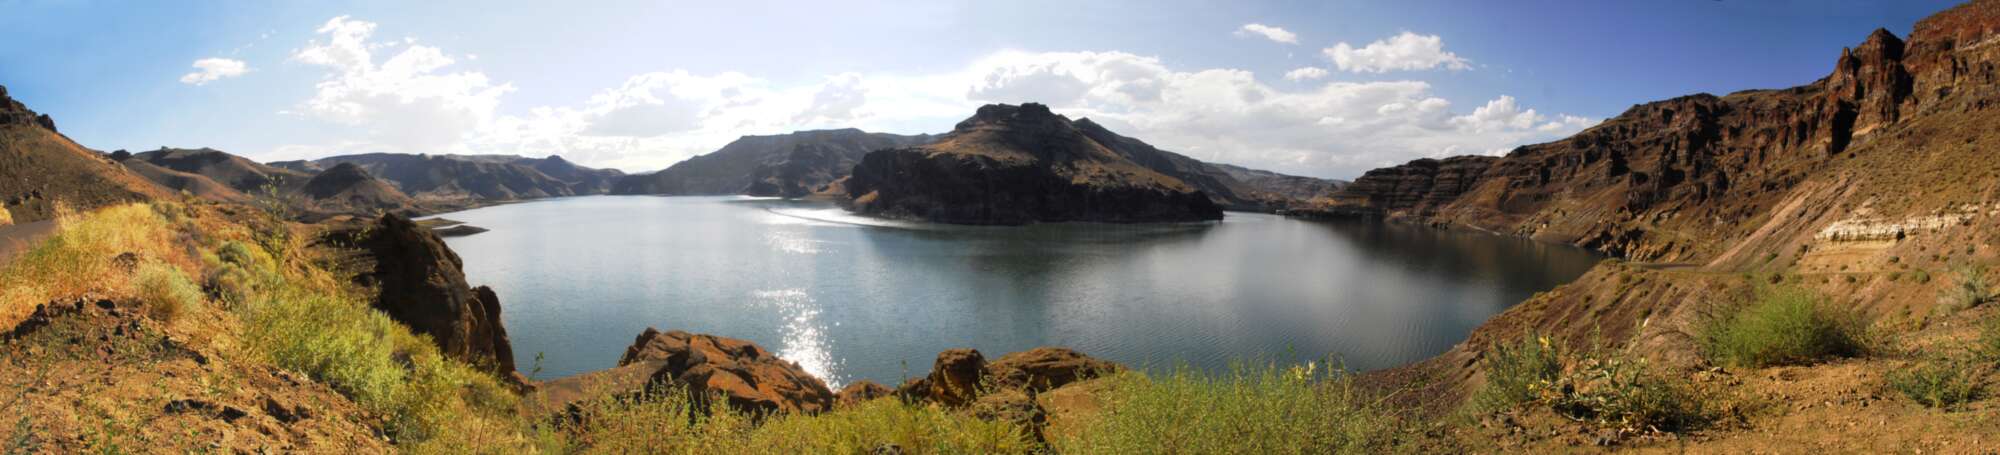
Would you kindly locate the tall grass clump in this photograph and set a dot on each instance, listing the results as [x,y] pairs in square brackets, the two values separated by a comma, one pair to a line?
[1516,372]
[1968,289]
[79,258]
[667,421]
[1987,346]
[381,365]
[1248,410]
[1783,326]
[1938,382]
[167,293]
[1607,388]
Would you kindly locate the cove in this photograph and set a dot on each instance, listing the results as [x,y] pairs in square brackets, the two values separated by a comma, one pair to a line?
[853,298]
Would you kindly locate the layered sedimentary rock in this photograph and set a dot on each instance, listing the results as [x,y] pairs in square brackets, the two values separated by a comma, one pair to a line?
[1681,179]
[1418,187]
[1015,165]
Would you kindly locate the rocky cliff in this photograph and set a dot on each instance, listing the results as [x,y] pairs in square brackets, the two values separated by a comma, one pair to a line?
[1843,186]
[1686,178]
[1020,164]
[420,282]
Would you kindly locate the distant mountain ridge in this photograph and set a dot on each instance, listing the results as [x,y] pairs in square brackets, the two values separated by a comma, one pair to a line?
[1024,164]
[790,164]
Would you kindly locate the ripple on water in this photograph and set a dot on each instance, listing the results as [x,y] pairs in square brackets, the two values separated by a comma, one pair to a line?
[805,341]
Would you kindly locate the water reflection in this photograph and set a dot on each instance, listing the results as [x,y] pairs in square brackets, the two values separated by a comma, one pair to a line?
[859,298]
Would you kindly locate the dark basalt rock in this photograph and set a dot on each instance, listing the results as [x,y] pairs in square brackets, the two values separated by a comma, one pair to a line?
[748,378]
[1017,165]
[421,284]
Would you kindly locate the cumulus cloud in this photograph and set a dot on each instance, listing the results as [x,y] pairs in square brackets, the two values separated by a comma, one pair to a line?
[406,102]
[1310,72]
[1404,52]
[1226,115]
[214,68]
[652,120]
[1268,32]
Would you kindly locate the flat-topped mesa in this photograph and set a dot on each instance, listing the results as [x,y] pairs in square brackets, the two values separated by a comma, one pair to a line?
[1017,165]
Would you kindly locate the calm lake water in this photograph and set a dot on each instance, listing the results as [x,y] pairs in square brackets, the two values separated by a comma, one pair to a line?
[856,298]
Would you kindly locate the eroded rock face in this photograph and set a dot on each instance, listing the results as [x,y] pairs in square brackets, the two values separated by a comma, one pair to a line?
[956,377]
[422,284]
[1680,179]
[1420,186]
[744,375]
[1015,165]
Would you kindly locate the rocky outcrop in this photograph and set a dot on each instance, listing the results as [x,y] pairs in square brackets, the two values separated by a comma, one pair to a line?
[1005,389]
[747,377]
[772,165]
[420,283]
[1016,165]
[861,391]
[1045,368]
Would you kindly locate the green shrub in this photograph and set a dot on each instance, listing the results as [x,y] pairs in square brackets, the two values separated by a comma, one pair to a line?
[1626,393]
[1987,346]
[1604,388]
[1785,326]
[429,400]
[1514,371]
[1250,410]
[166,292]
[1937,383]
[1970,289]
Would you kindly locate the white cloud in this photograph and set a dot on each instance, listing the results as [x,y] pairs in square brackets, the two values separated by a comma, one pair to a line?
[212,69]
[1310,72]
[654,119]
[404,103]
[1268,32]
[1404,52]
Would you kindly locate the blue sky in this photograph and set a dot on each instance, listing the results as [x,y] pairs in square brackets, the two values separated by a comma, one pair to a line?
[640,85]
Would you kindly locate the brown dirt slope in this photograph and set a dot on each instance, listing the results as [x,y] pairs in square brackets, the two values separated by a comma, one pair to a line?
[40,168]
[1875,187]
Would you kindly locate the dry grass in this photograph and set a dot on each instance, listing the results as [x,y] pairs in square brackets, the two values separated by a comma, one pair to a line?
[1265,409]
[80,258]
[166,292]
[668,422]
